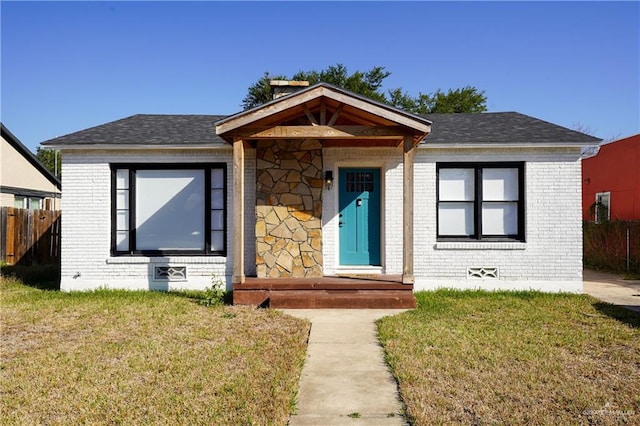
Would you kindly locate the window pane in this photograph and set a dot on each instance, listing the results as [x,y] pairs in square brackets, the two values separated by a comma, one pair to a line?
[122,199]
[217,220]
[34,203]
[500,184]
[122,179]
[170,210]
[122,241]
[122,220]
[18,202]
[217,199]
[217,240]
[455,219]
[456,184]
[602,210]
[217,178]
[499,218]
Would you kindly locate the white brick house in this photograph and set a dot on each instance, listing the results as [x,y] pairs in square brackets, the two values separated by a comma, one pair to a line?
[322,183]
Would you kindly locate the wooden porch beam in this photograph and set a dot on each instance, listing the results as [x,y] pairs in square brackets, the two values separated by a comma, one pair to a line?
[310,116]
[335,115]
[407,211]
[324,132]
[238,212]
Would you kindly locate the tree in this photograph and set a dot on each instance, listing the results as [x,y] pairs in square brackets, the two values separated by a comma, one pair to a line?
[260,92]
[51,159]
[467,99]
[369,84]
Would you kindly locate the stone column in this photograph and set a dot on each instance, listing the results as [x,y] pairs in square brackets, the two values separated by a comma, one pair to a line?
[289,208]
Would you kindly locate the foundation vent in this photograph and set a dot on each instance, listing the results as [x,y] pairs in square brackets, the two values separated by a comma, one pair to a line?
[482,272]
[170,273]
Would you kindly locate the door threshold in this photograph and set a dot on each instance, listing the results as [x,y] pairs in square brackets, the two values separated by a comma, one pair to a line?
[359,270]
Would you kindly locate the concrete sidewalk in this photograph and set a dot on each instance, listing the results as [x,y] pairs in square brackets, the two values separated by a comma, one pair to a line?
[345,380]
[611,288]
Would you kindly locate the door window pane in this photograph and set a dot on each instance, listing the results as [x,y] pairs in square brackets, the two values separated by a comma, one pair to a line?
[360,182]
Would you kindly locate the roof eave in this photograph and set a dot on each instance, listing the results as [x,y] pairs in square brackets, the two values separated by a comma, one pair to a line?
[112,147]
[427,145]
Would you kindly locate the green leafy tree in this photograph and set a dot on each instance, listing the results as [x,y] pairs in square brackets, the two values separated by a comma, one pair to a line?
[467,99]
[260,92]
[369,84]
[51,159]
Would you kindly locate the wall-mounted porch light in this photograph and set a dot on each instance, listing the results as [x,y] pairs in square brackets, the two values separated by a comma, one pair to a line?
[328,179]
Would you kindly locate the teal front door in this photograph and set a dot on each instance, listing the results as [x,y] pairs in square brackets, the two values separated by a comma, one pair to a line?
[359,216]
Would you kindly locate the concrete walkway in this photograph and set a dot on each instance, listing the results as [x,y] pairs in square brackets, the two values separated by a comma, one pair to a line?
[611,288]
[345,380]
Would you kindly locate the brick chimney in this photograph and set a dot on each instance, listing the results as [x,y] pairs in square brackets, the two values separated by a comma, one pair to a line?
[286,87]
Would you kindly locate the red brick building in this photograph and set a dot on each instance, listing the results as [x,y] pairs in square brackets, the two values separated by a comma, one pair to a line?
[612,178]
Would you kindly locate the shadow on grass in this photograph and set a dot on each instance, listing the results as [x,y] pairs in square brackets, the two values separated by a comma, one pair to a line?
[629,317]
[42,277]
[200,296]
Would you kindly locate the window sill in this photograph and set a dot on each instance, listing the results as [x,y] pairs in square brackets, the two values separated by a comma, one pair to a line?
[480,245]
[143,260]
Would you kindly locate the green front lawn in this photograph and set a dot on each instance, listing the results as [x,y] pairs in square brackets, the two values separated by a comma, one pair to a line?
[515,358]
[116,357]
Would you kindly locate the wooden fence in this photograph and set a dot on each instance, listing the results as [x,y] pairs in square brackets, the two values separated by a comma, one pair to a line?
[30,237]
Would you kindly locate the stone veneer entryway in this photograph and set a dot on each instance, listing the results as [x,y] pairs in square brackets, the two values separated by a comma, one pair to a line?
[289,208]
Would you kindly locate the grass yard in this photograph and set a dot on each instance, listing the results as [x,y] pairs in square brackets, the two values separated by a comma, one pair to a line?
[515,358]
[116,357]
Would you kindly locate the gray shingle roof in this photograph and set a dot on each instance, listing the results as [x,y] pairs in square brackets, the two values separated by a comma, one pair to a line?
[147,129]
[499,127]
[158,130]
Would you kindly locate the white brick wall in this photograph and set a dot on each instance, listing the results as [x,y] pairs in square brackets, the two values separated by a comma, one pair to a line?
[550,259]
[86,225]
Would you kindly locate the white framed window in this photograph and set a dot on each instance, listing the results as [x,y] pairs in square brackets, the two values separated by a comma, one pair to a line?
[602,207]
[31,203]
[480,201]
[168,209]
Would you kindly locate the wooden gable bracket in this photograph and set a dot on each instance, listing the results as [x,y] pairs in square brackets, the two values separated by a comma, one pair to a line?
[310,116]
[335,115]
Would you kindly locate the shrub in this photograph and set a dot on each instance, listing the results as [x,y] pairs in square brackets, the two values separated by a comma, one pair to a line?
[605,245]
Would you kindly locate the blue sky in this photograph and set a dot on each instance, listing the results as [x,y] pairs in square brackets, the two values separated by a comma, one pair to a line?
[66,66]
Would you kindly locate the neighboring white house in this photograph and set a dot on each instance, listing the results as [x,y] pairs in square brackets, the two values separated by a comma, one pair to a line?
[323,182]
[24,181]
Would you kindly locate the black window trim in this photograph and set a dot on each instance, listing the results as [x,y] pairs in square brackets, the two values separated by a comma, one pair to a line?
[132,168]
[477,208]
